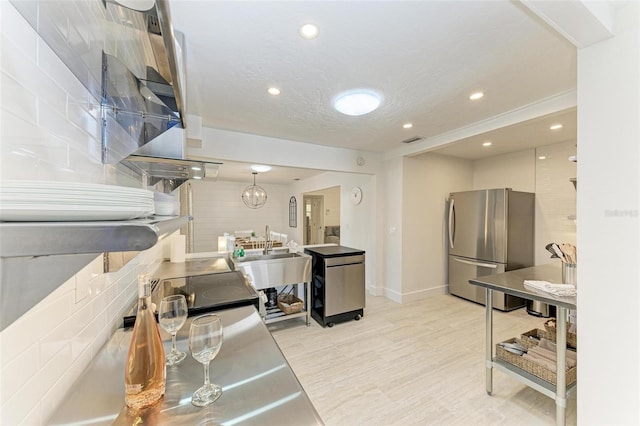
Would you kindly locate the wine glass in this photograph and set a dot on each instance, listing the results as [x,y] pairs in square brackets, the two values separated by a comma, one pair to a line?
[205,340]
[172,316]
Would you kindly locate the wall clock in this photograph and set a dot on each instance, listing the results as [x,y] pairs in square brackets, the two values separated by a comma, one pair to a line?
[356,195]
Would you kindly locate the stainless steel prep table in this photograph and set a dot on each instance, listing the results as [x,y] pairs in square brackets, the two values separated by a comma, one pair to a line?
[258,384]
[513,283]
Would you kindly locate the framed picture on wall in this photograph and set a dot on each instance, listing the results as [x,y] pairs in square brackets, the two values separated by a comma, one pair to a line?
[293,212]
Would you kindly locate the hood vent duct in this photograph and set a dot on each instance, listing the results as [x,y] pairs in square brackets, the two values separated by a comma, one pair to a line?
[129,60]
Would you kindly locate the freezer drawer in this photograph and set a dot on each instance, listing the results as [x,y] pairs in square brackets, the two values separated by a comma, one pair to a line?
[461,270]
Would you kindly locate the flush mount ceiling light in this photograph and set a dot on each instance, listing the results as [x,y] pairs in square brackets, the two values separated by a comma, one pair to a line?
[475,96]
[254,196]
[407,125]
[556,127]
[262,168]
[487,143]
[308,31]
[357,102]
[273,91]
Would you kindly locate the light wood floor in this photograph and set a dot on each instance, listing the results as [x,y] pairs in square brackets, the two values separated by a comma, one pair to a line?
[420,363]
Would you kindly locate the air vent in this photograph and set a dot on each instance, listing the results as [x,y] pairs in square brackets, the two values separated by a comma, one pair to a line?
[413,139]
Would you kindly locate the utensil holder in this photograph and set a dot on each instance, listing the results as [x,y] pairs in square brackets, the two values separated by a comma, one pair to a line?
[570,274]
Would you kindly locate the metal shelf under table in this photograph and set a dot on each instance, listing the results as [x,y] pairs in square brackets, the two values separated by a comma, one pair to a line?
[512,282]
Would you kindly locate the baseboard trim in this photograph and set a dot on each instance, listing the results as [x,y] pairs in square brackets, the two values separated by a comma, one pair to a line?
[409,297]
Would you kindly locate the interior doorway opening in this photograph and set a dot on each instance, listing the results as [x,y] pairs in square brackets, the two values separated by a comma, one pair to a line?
[321,216]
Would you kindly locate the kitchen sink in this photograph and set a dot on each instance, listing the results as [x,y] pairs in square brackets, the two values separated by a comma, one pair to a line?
[269,256]
[275,270]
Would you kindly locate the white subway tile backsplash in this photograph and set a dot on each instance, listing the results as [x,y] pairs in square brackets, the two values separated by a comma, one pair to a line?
[16,29]
[18,405]
[16,373]
[59,389]
[34,417]
[52,66]
[83,340]
[51,131]
[85,116]
[17,100]
[32,326]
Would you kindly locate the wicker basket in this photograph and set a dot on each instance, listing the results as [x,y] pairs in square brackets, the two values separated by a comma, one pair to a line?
[532,367]
[550,333]
[538,334]
[290,304]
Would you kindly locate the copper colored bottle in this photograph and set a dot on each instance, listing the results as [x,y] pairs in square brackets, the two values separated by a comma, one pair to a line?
[145,372]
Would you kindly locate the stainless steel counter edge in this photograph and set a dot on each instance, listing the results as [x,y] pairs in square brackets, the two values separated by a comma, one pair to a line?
[259,387]
[512,282]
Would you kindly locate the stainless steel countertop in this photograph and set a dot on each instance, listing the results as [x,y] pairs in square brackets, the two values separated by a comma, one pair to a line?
[192,267]
[512,282]
[259,387]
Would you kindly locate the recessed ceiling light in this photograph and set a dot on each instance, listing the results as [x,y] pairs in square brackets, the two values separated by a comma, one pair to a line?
[260,168]
[542,157]
[357,102]
[487,143]
[273,91]
[309,31]
[407,125]
[475,96]
[555,126]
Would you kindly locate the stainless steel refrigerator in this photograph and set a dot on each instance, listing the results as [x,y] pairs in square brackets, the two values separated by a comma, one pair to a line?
[490,232]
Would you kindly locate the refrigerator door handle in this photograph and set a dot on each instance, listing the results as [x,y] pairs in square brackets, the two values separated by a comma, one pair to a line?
[451,213]
[483,265]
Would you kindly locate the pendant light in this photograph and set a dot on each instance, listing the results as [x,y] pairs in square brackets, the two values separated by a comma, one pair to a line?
[254,196]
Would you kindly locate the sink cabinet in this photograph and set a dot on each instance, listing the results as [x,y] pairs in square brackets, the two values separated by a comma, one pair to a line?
[279,270]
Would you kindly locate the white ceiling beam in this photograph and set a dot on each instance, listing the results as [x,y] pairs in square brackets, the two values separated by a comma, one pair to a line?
[557,103]
[582,22]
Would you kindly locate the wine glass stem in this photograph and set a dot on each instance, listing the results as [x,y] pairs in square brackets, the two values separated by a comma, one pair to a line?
[173,342]
[206,374]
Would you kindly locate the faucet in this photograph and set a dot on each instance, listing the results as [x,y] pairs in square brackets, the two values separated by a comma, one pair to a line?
[267,243]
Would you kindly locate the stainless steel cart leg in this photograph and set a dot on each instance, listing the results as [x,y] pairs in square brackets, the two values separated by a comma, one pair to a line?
[307,301]
[561,358]
[489,333]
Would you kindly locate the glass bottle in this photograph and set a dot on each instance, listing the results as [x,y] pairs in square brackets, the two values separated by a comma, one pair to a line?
[145,372]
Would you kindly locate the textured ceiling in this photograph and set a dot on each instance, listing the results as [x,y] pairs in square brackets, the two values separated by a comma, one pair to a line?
[425,57]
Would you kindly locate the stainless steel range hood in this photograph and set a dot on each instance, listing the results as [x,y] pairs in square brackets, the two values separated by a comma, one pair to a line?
[129,60]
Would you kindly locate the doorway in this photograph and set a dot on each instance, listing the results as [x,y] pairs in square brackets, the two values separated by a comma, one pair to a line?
[313,219]
[321,213]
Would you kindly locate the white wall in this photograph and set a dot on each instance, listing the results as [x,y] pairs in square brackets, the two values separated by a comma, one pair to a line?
[218,208]
[515,170]
[555,198]
[357,222]
[434,176]
[51,131]
[391,233]
[608,216]
[428,181]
